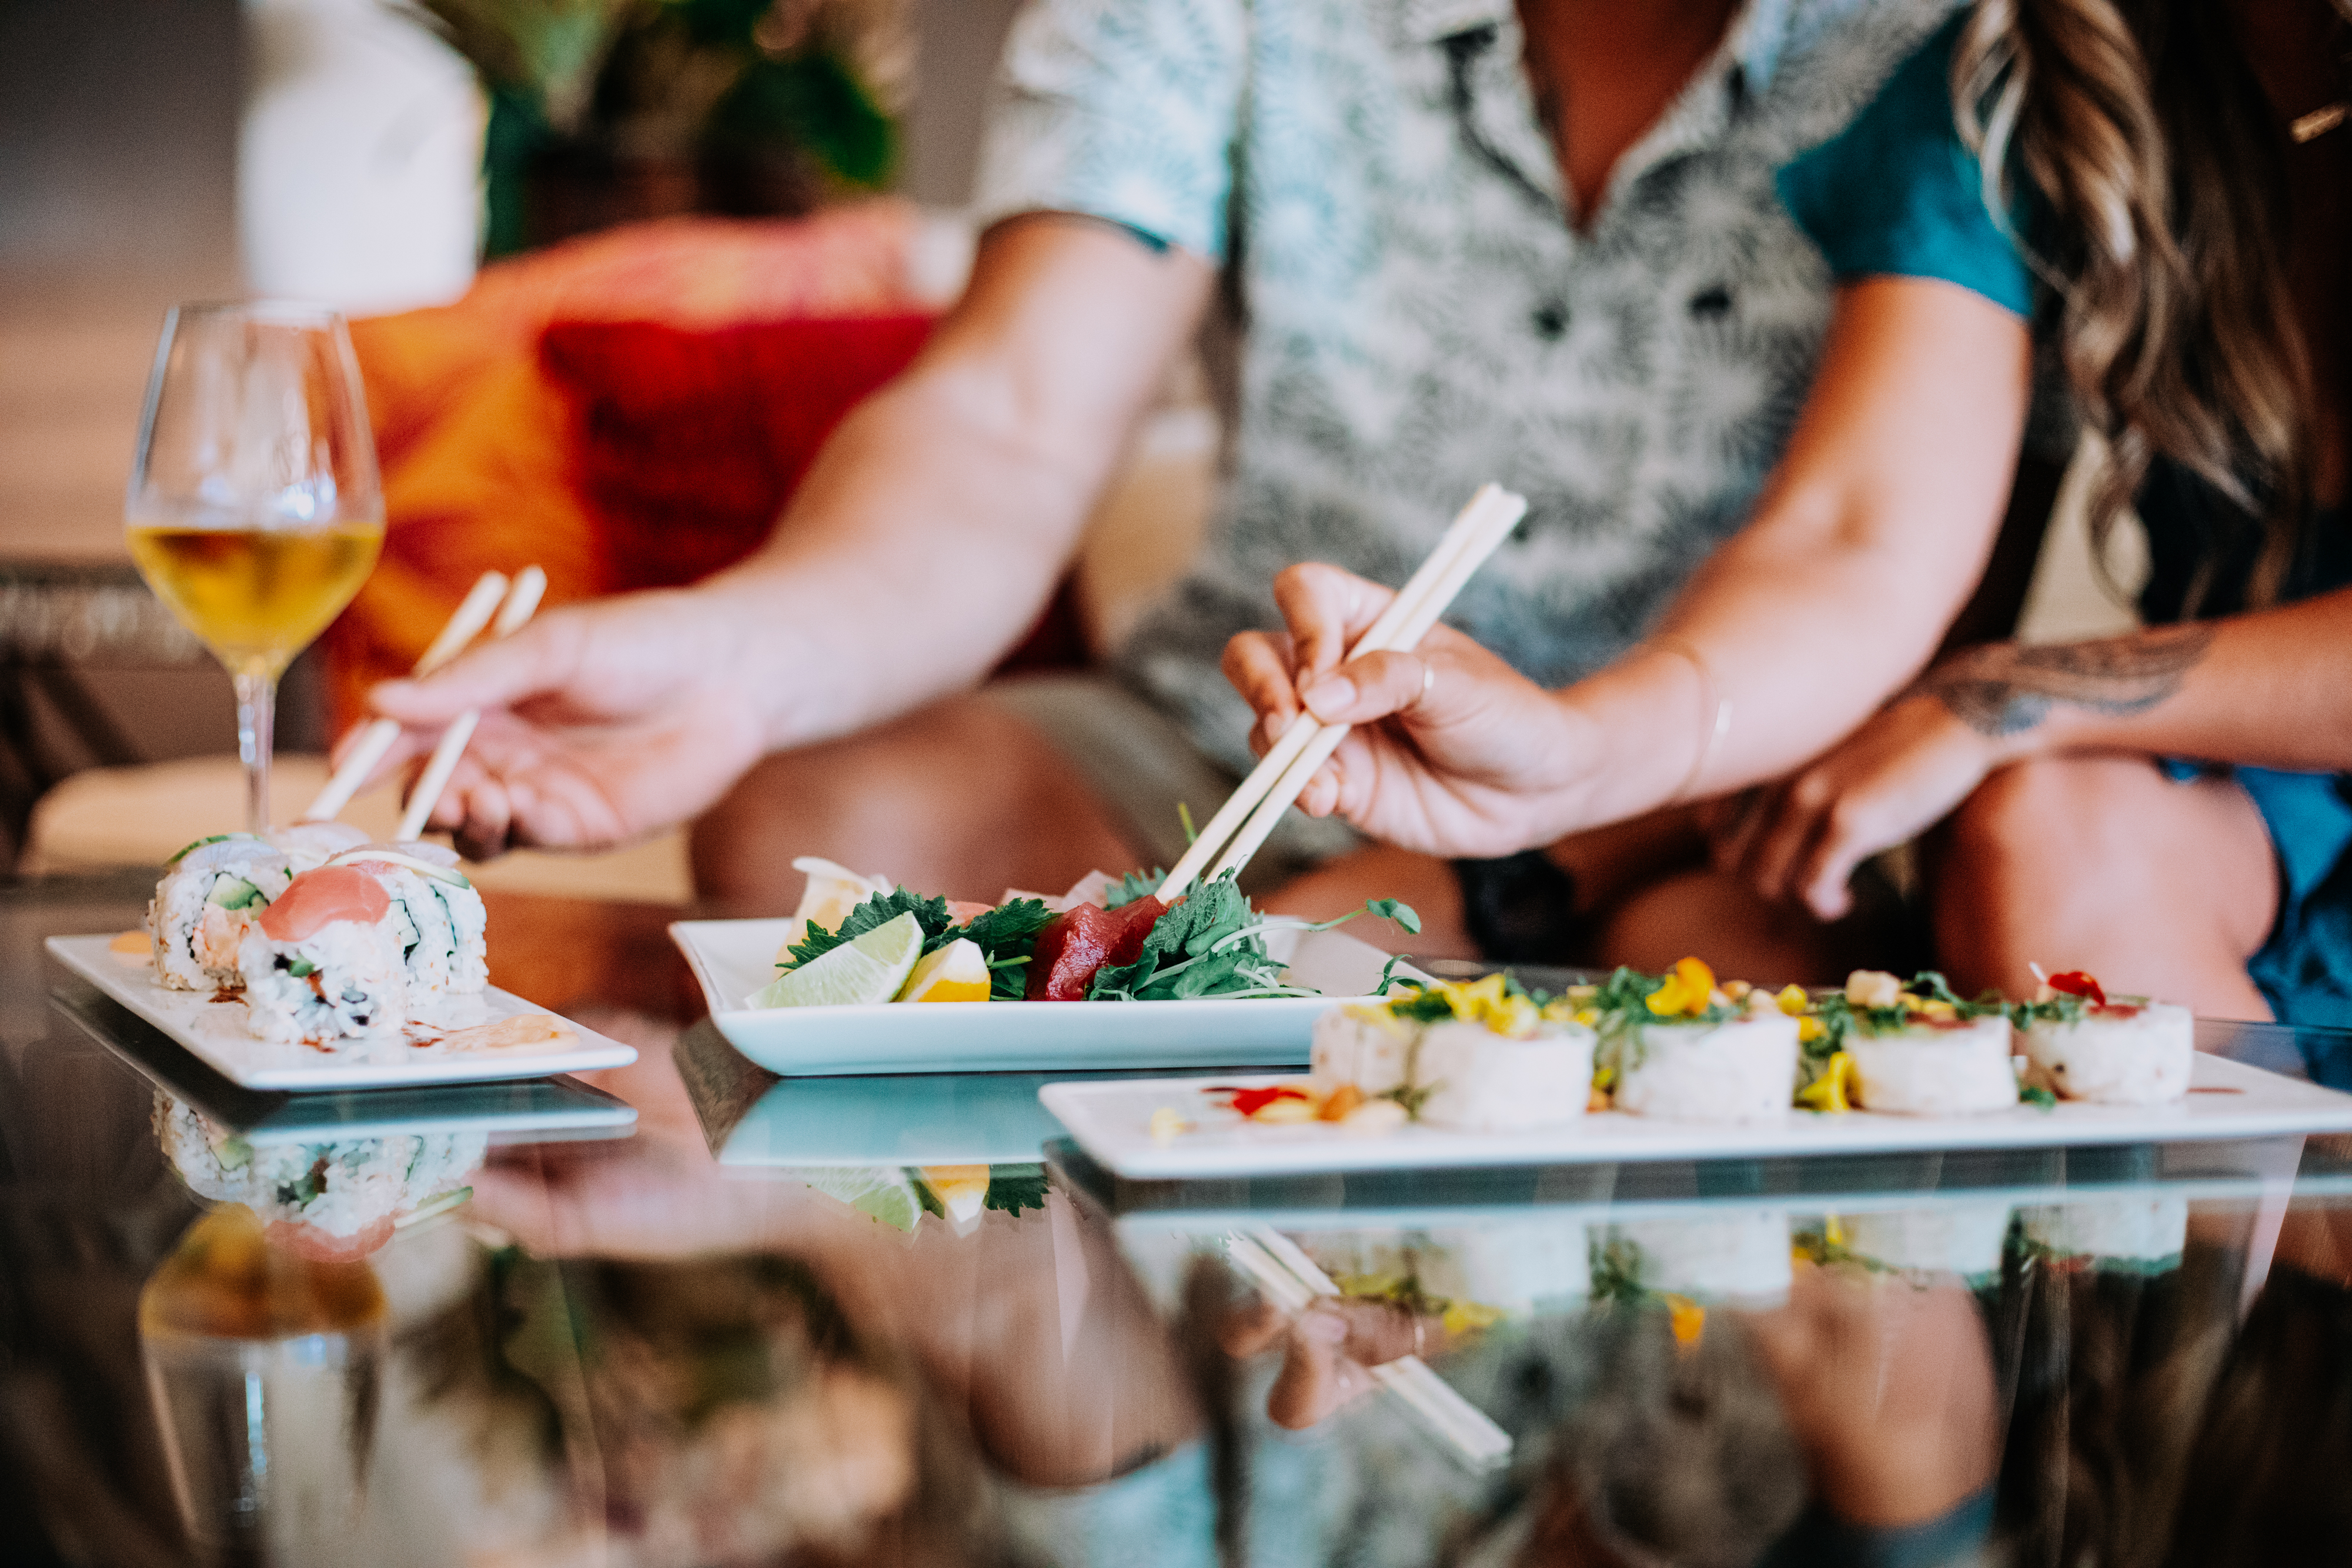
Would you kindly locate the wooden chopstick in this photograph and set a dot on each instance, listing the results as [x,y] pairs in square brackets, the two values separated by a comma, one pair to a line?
[522,603]
[1490,525]
[1292,1280]
[472,614]
[1466,526]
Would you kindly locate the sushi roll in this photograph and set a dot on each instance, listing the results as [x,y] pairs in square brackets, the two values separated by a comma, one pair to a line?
[1367,1046]
[214,888]
[1735,1258]
[322,964]
[334,1198]
[439,919]
[1917,1050]
[1963,1239]
[2079,1045]
[1681,1046]
[1472,1077]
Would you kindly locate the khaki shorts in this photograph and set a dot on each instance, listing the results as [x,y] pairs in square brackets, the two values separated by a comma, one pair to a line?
[1141,765]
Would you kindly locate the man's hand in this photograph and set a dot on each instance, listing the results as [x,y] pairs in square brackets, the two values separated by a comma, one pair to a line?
[1454,752]
[600,722]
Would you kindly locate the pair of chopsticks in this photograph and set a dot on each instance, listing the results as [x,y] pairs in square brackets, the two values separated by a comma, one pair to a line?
[512,604]
[1292,1280]
[1242,822]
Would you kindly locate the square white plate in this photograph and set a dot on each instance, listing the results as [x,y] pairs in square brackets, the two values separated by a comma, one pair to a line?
[733,958]
[1112,1121]
[215,1032]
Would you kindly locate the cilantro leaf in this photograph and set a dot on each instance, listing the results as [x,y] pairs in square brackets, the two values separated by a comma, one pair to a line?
[880,909]
[1007,937]
[1012,1188]
[1181,955]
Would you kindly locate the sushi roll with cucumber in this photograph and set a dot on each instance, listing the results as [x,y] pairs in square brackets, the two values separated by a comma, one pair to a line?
[2079,1045]
[1918,1051]
[1684,1047]
[322,964]
[216,887]
[439,920]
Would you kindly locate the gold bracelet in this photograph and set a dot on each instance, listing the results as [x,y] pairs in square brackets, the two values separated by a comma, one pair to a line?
[1715,712]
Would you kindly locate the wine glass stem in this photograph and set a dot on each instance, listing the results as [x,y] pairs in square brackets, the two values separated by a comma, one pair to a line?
[256,713]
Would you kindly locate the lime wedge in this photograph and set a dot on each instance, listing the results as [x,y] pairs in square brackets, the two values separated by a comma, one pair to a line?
[877,1192]
[866,969]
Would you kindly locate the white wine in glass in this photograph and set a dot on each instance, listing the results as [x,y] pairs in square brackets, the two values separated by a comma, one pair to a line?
[255,510]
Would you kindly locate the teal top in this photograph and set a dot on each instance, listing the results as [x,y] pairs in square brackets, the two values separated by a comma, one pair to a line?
[1897,193]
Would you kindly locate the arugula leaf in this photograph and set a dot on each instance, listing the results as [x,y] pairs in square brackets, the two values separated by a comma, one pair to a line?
[1012,1188]
[1183,944]
[1135,884]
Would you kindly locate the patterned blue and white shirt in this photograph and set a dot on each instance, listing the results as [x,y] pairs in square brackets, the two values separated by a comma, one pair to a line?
[1419,316]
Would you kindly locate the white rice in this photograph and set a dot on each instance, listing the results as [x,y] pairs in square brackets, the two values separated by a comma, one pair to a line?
[351,984]
[1477,1080]
[1924,1071]
[1744,1070]
[1963,1239]
[2137,1059]
[211,893]
[1368,1047]
[1742,1257]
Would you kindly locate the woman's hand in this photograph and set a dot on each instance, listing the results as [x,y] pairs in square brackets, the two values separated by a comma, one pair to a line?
[1898,775]
[1452,753]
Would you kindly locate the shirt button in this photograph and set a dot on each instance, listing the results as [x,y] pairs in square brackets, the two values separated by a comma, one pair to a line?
[1551,321]
[1710,304]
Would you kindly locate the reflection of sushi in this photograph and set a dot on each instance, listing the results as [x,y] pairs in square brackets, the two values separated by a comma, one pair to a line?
[1740,1257]
[213,890]
[326,1198]
[2079,1046]
[2135,1233]
[1480,1057]
[1471,1274]
[1963,1239]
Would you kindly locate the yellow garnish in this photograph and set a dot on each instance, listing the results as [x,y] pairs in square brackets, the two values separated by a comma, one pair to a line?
[1832,1231]
[1486,1001]
[1463,1317]
[1284,1113]
[1810,1028]
[1689,1319]
[1689,988]
[1939,1010]
[1833,1090]
[1793,1000]
[1168,1124]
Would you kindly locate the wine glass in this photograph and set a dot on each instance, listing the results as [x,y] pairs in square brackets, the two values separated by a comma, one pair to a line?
[254,510]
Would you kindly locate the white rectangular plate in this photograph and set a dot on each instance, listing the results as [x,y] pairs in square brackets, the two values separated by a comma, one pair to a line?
[1112,1121]
[733,958]
[216,1033]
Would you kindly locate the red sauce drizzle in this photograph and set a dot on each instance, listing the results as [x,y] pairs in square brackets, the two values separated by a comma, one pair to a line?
[321,897]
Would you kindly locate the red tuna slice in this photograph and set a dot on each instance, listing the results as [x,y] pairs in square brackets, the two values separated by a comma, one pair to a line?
[321,897]
[1077,942]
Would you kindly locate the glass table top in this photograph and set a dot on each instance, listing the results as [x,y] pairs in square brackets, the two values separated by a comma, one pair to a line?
[689,1313]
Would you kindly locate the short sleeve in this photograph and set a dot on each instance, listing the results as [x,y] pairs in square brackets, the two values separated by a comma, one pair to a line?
[1897,194]
[1121,109]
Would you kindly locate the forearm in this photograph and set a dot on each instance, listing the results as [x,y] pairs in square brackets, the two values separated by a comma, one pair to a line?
[920,545]
[2261,689]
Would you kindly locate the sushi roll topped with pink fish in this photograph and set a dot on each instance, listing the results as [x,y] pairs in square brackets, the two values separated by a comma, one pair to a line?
[2081,1044]
[216,887]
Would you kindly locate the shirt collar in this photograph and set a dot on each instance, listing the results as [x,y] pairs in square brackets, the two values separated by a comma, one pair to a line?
[1757,36]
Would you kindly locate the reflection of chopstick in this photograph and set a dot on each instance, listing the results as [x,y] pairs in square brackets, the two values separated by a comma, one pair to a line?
[522,603]
[1250,814]
[1291,1280]
[473,615]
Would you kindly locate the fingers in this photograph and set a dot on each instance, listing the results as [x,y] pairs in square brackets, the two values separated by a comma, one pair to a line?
[544,656]
[1327,610]
[1258,664]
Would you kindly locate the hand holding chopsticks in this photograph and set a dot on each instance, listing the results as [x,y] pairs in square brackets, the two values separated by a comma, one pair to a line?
[513,604]
[1244,820]
[522,603]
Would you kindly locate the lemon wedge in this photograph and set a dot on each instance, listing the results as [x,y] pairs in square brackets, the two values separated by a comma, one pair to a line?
[960,1189]
[861,971]
[956,973]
